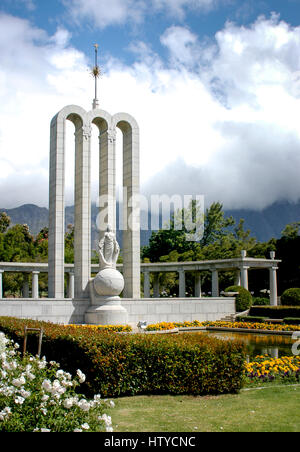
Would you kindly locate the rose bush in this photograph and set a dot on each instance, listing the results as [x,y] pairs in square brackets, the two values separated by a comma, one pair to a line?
[37,396]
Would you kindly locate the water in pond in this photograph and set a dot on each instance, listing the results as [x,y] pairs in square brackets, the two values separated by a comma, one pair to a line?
[259,344]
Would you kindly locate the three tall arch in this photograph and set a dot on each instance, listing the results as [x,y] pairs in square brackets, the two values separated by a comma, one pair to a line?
[107,125]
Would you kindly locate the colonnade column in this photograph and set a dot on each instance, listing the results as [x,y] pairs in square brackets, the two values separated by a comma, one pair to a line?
[244,277]
[198,293]
[35,285]
[244,271]
[25,290]
[237,280]
[181,273]
[156,293]
[71,285]
[146,284]
[215,284]
[1,283]
[273,286]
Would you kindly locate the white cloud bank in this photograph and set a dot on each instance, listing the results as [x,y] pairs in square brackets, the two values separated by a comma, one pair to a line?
[218,119]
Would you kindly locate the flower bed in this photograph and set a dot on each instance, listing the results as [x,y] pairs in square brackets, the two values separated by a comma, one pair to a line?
[223,324]
[253,326]
[114,328]
[266,369]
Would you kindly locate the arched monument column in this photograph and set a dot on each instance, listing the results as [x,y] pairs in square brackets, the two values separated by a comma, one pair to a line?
[82,214]
[131,204]
[82,222]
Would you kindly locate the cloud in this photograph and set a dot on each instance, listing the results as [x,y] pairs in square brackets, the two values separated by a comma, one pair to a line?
[104,13]
[179,8]
[219,119]
[182,44]
[38,74]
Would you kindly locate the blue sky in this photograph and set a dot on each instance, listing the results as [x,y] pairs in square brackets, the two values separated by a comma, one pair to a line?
[117,33]
[213,84]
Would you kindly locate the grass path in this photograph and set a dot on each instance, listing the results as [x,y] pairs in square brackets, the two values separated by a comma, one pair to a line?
[273,409]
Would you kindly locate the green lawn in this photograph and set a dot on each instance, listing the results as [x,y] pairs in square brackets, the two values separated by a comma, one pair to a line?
[275,409]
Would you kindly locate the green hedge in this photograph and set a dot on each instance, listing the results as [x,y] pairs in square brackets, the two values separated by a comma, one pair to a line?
[291,321]
[275,312]
[243,300]
[291,297]
[129,364]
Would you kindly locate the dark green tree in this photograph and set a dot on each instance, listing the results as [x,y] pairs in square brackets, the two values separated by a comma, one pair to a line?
[4,222]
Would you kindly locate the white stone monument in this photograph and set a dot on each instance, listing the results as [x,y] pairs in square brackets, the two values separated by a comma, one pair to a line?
[106,125]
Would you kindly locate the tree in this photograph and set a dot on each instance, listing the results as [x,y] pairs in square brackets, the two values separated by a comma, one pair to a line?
[291,231]
[216,229]
[4,222]
[41,245]
[215,224]
[17,245]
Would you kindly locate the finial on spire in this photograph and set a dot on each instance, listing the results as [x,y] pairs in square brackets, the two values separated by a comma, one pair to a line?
[96,72]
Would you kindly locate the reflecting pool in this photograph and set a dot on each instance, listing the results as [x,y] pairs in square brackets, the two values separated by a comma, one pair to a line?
[259,344]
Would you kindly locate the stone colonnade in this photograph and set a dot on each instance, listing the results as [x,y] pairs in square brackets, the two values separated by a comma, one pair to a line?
[107,125]
[241,266]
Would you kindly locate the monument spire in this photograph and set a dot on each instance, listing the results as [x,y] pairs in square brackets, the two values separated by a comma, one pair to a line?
[96,72]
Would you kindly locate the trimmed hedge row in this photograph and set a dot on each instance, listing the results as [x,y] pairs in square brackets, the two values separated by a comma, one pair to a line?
[275,312]
[120,364]
[292,321]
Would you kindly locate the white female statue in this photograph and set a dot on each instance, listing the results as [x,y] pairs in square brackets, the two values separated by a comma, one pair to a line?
[109,282]
[109,250]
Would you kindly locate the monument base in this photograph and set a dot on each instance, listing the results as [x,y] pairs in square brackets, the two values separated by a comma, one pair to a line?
[105,310]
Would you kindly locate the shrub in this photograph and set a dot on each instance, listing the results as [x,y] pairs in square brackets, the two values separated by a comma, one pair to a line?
[275,312]
[243,299]
[291,297]
[37,396]
[261,301]
[117,365]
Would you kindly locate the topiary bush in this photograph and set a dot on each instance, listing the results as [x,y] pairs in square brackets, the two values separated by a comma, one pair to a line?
[291,297]
[129,364]
[243,299]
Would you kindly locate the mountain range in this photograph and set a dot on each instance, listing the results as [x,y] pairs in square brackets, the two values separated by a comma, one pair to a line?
[264,224]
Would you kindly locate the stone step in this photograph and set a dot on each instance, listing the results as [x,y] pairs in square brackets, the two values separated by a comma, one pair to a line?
[228,318]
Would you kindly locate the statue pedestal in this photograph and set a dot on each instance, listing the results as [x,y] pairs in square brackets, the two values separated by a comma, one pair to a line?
[106,308]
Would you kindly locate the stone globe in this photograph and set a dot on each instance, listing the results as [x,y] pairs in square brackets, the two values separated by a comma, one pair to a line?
[109,282]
